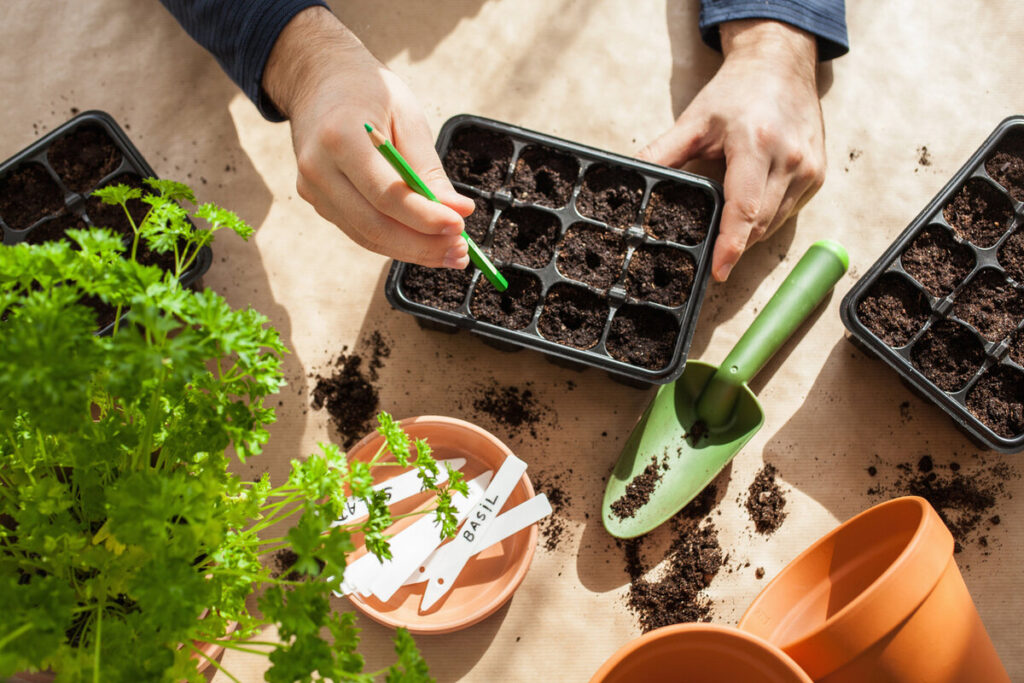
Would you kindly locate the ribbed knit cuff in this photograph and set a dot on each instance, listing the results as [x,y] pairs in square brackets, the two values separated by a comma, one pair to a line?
[825,19]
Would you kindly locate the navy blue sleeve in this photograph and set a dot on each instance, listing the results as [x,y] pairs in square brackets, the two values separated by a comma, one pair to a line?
[240,34]
[825,19]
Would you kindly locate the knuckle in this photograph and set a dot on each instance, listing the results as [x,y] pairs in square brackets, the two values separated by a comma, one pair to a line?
[332,139]
[793,160]
[748,209]
[766,137]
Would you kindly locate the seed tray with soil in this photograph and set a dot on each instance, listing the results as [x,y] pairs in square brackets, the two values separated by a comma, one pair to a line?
[944,305]
[607,256]
[45,191]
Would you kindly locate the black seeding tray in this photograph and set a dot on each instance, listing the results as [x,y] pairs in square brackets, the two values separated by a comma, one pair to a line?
[46,189]
[944,305]
[607,257]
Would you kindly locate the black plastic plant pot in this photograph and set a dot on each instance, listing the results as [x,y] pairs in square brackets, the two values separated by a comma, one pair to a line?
[45,189]
[944,305]
[607,257]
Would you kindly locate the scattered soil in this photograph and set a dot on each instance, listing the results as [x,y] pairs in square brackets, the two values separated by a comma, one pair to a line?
[998,400]
[611,195]
[639,490]
[1006,165]
[351,399]
[84,157]
[591,254]
[937,261]
[979,213]
[759,573]
[573,316]
[893,309]
[525,236]
[56,229]
[27,194]
[112,216]
[990,303]
[662,275]
[553,528]
[948,354]
[513,308]
[441,288]
[924,156]
[678,213]
[543,176]
[766,503]
[285,559]
[644,336]
[1011,256]
[513,407]
[478,157]
[480,220]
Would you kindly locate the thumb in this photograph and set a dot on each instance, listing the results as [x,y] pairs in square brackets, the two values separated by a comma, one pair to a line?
[676,146]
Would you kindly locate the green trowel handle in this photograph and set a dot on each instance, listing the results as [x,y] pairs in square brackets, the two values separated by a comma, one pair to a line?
[803,289]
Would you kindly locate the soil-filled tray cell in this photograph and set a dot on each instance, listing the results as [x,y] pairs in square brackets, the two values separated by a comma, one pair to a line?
[28,194]
[937,261]
[105,313]
[573,316]
[478,157]
[543,176]
[663,275]
[893,309]
[441,288]
[979,213]
[83,157]
[112,215]
[948,354]
[1006,164]
[55,229]
[998,400]
[591,254]
[611,195]
[642,336]
[1011,255]
[1017,347]
[678,213]
[525,236]
[512,309]
[478,221]
[991,304]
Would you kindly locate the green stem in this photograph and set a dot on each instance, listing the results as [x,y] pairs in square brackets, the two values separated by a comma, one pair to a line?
[96,653]
[230,645]
[15,633]
[211,660]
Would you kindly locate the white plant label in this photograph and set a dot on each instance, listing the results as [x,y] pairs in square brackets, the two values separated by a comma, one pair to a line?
[405,485]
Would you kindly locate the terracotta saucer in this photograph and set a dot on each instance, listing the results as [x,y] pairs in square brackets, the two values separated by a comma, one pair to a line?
[488,579]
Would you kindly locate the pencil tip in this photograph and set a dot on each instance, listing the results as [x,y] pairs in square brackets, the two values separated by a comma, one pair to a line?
[368,127]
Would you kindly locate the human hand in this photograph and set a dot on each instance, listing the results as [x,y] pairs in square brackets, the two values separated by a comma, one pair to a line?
[761,113]
[328,84]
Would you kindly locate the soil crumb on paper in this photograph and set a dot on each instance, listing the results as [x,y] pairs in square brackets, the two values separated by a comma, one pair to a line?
[765,501]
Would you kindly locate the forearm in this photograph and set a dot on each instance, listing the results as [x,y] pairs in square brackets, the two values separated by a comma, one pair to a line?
[771,42]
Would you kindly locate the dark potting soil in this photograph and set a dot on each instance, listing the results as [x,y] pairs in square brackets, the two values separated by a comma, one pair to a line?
[644,336]
[766,503]
[663,275]
[478,157]
[639,489]
[948,354]
[283,560]
[526,236]
[937,261]
[543,176]
[573,316]
[513,308]
[553,528]
[611,195]
[998,400]
[1017,348]
[979,213]
[27,194]
[105,313]
[478,221]
[893,309]
[510,406]
[990,304]
[678,213]
[1006,165]
[348,393]
[591,254]
[441,288]
[84,157]
[1011,256]
[55,230]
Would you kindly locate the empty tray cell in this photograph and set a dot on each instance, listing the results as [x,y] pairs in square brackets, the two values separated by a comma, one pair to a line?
[678,213]
[27,194]
[84,157]
[1006,164]
[998,400]
[611,194]
[478,221]
[573,316]
[948,354]
[660,274]
[979,213]
[991,304]
[644,336]
[55,229]
[512,309]
[893,309]
[526,236]
[441,288]
[937,261]
[1011,256]
[478,157]
[591,254]
[112,215]
[544,176]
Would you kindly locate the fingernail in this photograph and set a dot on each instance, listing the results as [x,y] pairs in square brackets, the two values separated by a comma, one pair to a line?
[723,272]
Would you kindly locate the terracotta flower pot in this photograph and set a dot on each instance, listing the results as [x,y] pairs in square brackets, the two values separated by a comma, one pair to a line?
[878,599]
[699,653]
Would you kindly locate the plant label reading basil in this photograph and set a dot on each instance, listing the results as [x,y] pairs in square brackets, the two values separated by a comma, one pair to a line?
[405,485]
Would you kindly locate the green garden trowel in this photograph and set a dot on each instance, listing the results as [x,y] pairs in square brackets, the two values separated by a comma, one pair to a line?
[695,425]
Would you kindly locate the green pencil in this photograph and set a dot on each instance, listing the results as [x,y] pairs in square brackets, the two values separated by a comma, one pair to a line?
[399,163]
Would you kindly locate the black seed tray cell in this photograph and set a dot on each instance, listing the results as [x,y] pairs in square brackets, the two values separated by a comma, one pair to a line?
[944,305]
[566,223]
